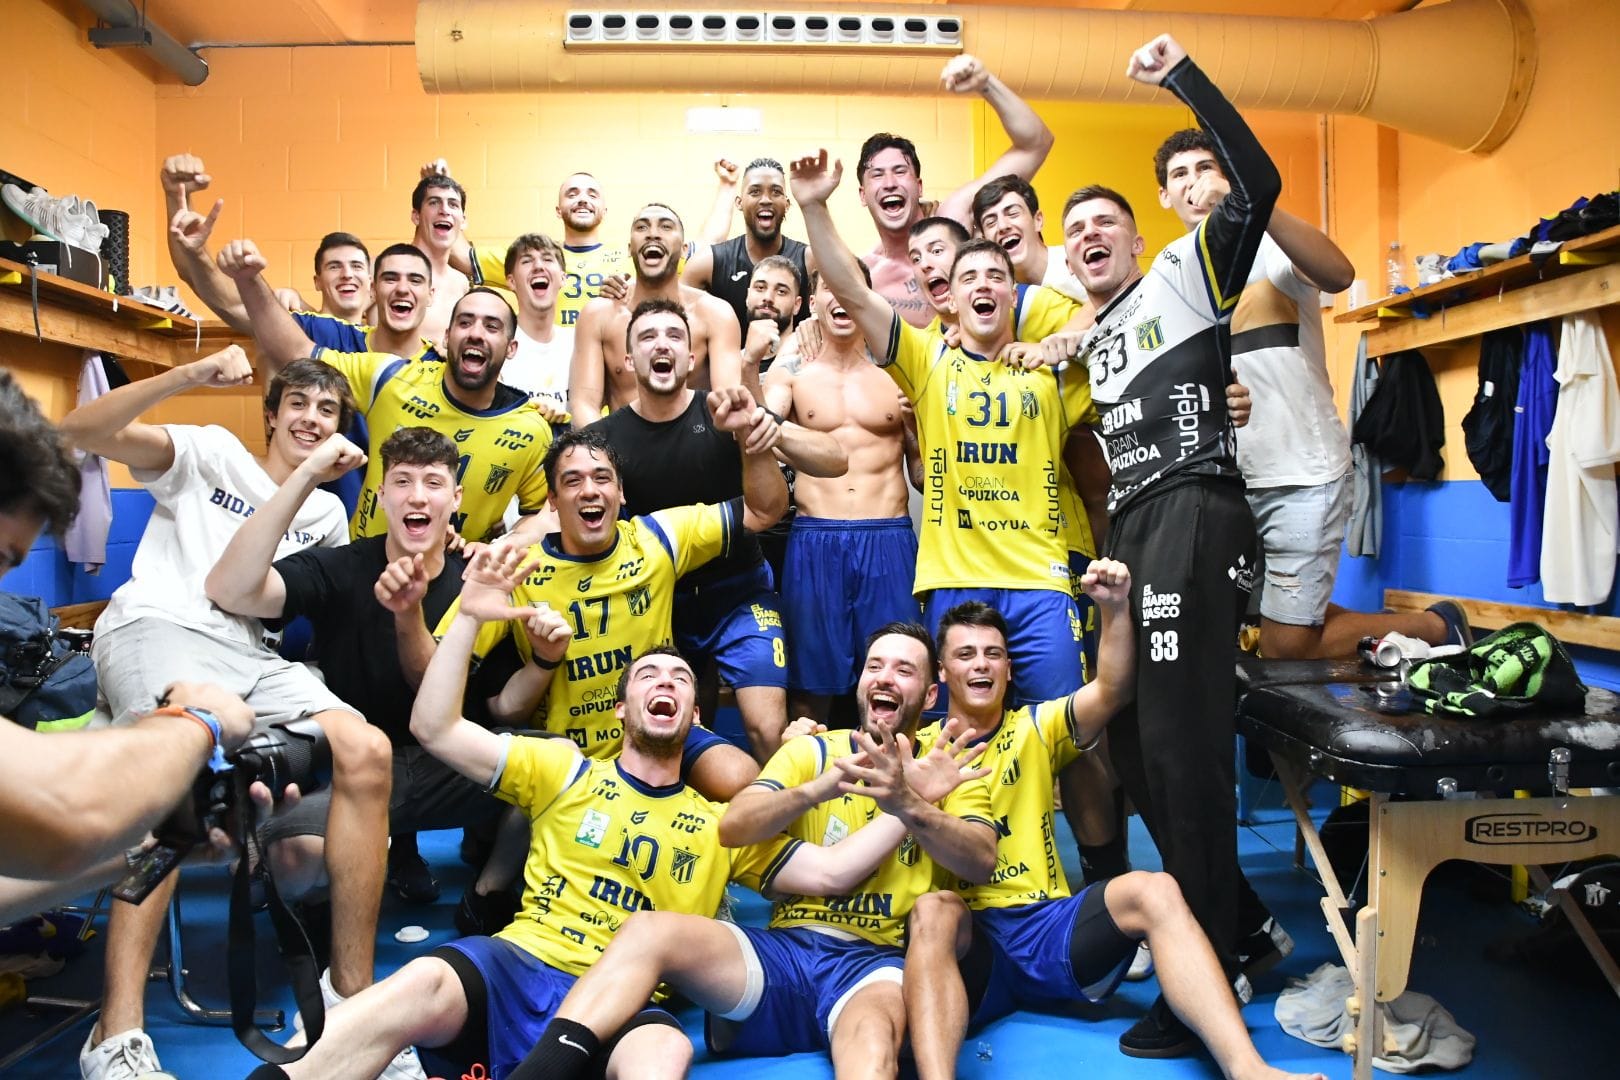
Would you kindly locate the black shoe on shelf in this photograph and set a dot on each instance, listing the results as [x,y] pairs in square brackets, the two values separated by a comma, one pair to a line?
[410,876]
[1264,948]
[1159,1034]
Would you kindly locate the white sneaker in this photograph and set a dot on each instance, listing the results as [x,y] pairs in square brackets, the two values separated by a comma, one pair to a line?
[1141,964]
[129,1055]
[405,1066]
[36,207]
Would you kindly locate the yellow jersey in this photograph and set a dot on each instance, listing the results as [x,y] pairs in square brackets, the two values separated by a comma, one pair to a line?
[501,448]
[603,845]
[619,603]
[997,513]
[586,267]
[1027,751]
[877,910]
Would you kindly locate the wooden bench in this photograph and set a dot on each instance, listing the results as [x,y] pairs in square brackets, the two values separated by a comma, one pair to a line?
[79,616]
[1570,627]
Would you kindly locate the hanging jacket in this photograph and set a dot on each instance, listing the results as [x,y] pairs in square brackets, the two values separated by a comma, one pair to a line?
[1403,422]
[1488,427]
[1366,471]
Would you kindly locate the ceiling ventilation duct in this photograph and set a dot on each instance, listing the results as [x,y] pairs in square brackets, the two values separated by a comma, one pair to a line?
[1382,69]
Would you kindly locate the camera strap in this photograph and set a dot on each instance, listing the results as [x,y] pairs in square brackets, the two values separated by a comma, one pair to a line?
[299,958]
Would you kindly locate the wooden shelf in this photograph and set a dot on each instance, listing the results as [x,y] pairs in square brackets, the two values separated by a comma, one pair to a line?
[1584,274]
[75,314]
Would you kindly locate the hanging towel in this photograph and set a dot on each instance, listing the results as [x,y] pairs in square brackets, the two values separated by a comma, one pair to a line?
[86,539]
[1366,471]
[1418,1031]
[1581,520]
[1532,423]
[1403,422]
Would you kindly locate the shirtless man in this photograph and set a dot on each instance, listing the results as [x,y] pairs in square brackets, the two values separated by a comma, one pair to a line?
[600,375]
[438,210]
[890,176]
[851,551]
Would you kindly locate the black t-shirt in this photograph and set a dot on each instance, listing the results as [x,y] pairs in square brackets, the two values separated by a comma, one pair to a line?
[733,269]
[678,463]
[354,634]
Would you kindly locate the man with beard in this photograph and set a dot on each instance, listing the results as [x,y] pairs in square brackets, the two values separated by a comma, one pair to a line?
[535,272]
[599,378]
[439,213]
[1027,942]
[676,453]
[826,973]
[890,178]
[580,207]
[772,298]
[502,438]
[727,270]
[610,836]
[851,550]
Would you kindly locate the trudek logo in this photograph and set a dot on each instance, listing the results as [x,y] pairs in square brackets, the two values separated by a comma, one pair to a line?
[1526,829]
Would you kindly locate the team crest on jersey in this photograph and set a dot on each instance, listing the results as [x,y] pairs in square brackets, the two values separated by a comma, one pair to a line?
[463,434]
[639,600]
[908,851]
[592,829]
[680,871]
[498,475]
[1149,334]
[584,584]
[1029,406]
[1010,775]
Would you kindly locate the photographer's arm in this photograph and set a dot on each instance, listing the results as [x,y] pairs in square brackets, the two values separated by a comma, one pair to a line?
[56,790]
[20,897]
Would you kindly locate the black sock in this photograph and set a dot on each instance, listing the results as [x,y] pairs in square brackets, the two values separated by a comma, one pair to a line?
[565,1051]
[1099,862]
[267,1072]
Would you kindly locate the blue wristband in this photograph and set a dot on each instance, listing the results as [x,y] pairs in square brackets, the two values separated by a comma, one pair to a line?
[216,760]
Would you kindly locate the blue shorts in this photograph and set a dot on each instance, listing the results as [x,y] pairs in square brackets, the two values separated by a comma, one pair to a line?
[1047,630]
[736,622]
[841,580]
[799,980]
[523,994]
[1032,948]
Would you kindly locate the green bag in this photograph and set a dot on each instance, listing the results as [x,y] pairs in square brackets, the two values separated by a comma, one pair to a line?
[1519,669]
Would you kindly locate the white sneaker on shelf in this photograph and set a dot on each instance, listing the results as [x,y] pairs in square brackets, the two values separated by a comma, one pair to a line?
[35,207]
[128,1055]
[1141,964]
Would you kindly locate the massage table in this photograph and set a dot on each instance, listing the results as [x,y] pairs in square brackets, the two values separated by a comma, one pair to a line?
[1336,720]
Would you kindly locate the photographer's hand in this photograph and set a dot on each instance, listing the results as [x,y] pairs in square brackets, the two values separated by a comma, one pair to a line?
[235,716]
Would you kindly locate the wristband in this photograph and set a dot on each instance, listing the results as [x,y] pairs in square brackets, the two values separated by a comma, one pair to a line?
[216,759]
[774,415]
[543,664]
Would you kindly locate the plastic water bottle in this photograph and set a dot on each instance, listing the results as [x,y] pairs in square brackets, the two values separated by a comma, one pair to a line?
[1393,268]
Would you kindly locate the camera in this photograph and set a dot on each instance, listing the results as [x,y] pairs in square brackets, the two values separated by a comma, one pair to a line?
[288,752]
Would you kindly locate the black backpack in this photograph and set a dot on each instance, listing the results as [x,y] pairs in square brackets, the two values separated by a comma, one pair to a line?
[43,680]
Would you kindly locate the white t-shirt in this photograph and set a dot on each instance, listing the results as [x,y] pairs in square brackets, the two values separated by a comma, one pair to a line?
[1294,437]
[540,369]
[1580,521]
[202,499]
[1060,277]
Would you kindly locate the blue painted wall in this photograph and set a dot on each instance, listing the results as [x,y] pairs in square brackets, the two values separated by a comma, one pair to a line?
[47,573]
[1451,538]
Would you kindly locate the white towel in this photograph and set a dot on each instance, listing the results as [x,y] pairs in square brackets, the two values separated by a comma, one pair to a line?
[86,540]
[1418,1032]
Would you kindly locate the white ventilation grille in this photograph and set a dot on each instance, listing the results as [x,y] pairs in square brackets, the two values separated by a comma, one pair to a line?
[830,30]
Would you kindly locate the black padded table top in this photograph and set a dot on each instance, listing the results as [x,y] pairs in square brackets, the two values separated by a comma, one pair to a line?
[1331,718]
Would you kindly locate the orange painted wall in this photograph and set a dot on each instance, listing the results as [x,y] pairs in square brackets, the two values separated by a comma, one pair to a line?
[1386,186]
[302,141]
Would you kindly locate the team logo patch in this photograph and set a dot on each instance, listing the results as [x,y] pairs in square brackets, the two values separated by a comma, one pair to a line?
[908,851]
[463,434]
[1149,335]
[592,829]
[638,816]
[681,869]
[1027,403]
[498,475]
[639,599]
[584,584]
[1010,775]
[836,830]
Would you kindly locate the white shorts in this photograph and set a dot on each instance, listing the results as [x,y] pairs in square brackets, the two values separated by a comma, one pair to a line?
[1301,532]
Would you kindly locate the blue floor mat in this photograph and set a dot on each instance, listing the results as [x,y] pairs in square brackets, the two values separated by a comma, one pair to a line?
[1530,1024]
